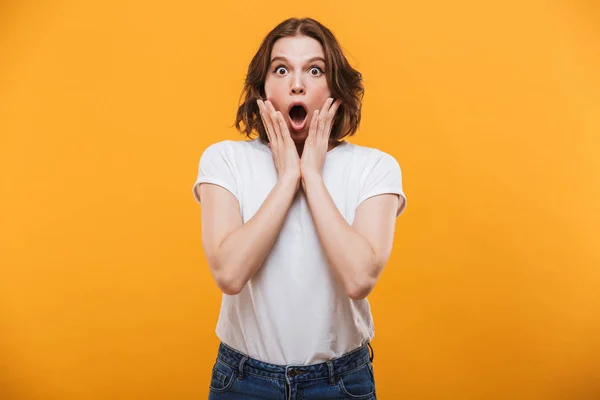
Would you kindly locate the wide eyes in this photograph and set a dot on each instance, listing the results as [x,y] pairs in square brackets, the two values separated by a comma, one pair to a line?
[313,68]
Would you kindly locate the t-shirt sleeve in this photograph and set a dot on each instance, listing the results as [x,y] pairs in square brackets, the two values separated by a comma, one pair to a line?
[384,175]
[217,166]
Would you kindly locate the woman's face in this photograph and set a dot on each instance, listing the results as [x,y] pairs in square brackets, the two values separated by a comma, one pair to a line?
[295,75]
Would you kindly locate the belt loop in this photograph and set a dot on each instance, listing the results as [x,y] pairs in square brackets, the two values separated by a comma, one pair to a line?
[331,373]
[241,368]
[372,355]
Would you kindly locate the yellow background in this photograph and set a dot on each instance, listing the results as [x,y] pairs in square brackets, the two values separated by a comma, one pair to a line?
[492,110]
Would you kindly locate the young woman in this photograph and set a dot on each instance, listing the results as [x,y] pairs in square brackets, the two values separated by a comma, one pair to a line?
[297,225]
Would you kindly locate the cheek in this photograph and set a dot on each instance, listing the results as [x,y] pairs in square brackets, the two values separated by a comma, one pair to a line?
[275,95]
[321,94]
[274,85]
[322,90]
[277,104]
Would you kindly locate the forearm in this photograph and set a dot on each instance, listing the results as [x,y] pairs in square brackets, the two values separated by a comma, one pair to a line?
[348,253]
[244,250]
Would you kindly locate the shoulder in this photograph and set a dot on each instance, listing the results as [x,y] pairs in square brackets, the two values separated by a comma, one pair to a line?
[234,146]
[228,149]
[371,155]
[220,146]
[218,156]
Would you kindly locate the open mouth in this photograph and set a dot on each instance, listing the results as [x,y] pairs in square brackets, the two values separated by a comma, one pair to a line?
[298,117]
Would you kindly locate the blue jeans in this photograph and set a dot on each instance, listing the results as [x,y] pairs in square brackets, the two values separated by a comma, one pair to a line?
[237,376]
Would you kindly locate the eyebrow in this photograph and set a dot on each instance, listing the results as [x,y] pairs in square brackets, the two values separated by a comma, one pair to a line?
[307,61]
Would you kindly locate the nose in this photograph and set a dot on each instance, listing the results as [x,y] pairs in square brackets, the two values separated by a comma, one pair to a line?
[297,89]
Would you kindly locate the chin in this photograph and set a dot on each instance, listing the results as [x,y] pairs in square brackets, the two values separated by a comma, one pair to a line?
[299,137]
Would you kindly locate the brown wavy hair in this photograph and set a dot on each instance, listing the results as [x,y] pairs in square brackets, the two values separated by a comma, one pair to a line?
[344,82]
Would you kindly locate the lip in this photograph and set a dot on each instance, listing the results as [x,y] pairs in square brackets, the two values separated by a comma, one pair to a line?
[293,125]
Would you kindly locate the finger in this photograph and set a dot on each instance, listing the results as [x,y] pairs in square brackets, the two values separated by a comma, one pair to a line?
[326,129]
[263,112]
[267,117]
[321,121]
[274,120]
[287,137]
[334,107]
[312,131]
[329,119]
[260,113]
[322,116]
[283,127]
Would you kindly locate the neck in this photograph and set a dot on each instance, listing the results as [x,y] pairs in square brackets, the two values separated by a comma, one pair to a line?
[332,144]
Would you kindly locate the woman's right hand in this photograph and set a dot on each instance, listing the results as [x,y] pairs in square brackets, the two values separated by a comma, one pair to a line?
[285,153]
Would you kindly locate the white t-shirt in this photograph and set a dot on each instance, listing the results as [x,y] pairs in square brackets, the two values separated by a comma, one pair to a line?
[294,311]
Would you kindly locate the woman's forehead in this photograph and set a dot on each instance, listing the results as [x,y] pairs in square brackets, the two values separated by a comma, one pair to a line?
[297,48]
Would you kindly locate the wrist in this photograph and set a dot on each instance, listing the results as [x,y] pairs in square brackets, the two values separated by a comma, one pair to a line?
[311,176]
[289,180]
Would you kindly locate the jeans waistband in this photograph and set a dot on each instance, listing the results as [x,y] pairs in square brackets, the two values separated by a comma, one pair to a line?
[328,369]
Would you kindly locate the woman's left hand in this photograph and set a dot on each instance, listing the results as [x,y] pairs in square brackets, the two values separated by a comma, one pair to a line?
[317,142]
